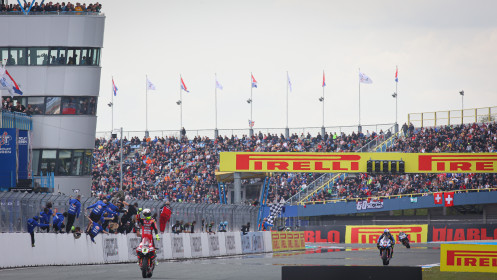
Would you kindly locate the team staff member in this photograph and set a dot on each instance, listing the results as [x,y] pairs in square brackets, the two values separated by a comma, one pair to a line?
[58,221]
[98,209]
[32,224]
[165,216]
[94,228]
[73,212]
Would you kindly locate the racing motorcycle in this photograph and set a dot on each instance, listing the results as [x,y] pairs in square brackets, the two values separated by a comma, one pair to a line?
[146,257]
[404,239]
[385,247]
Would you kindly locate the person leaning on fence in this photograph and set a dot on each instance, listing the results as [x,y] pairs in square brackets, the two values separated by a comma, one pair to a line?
[176,228]
[266,226]
[165,216]
[245,228]
[209,228]
[32,224]
[58,222]
[73,212]
[94,228]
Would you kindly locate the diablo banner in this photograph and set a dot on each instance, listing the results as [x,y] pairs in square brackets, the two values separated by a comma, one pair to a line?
[468,257]
[369,204]
[356,162]
[323,234]
[370,234]
[446,232]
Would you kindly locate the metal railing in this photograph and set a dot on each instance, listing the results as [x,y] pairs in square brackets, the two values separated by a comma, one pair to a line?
[190,133]
[451,117]
[15,120]
[31,13]
[17,207]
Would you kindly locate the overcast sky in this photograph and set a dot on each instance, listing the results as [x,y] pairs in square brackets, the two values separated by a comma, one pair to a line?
[440,47]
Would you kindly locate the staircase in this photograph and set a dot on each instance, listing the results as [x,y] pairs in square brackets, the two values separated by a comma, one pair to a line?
[327,180]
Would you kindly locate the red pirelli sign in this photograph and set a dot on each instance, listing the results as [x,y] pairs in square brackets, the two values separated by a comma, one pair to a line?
[356,162]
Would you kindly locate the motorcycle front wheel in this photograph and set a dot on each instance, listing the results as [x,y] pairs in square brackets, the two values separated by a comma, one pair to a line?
[384,257]
[144,267]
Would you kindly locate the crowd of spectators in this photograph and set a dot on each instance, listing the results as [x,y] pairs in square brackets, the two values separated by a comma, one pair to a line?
[458,138]
[183,170]
[53,7]
[8,105]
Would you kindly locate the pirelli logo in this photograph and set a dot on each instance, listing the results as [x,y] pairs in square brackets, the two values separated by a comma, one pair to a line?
[297,162]
[454,162]
[465,257]
[370,234]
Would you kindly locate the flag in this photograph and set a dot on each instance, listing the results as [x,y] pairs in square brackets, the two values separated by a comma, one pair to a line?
[251,123]
[324,81]
[363,78]
[218,85]
[449,199]
[396,74]
[114,88]
[8,83]
[183,86]
[438,197]
[150,86]
[274,211]
[289,82]
[254,82]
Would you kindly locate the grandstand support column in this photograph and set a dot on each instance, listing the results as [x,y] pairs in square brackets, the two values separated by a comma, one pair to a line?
[238,187]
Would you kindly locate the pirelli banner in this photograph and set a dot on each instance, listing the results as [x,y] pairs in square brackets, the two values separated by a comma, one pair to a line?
[356,162]
[287,240]
[468,258]
[370,234]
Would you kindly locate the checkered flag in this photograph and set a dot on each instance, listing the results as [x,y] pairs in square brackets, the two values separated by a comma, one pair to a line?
[274,211]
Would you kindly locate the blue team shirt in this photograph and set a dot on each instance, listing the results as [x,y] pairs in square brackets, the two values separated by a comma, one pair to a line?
[58,219]
[32,224]
[74,207]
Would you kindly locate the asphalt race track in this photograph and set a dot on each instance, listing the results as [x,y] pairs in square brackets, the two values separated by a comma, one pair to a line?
[250,267]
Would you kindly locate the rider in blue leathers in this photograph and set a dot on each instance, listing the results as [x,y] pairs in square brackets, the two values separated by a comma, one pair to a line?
[386,233]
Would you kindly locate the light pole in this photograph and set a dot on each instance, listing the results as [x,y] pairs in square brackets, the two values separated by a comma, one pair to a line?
[462,106]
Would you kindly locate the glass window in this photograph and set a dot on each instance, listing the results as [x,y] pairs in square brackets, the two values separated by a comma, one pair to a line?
[48,159]
[95,56]
[64,162]
[74,56]
[17,56]
[22,100]
[92,106]
[70,105]
[38,56]
[36,105]
[77,163]
[35,163]
[4,53]
[53,105]
[86,58]
[87,162]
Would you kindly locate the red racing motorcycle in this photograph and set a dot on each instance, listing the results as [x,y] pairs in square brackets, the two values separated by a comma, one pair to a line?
[146,257]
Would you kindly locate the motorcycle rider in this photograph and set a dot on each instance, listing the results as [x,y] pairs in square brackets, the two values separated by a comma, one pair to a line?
[147,225]
[386,233]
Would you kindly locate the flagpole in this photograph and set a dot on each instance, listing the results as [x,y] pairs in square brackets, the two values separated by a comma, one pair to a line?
[146,106]
[215,106]
[180,108]
[112,106]
[396,99]
[287,130]
[251,102]
[323,103]
[359,128]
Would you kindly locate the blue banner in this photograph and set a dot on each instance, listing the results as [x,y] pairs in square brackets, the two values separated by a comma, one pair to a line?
[8,158]
[23,154]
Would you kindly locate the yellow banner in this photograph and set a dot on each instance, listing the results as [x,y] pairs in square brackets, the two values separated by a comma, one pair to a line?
[468,258]
[287,240]
[356,162]
[370,234]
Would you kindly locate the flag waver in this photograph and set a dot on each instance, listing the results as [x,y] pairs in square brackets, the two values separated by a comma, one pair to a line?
[114,88]
[183,86]
[254,82]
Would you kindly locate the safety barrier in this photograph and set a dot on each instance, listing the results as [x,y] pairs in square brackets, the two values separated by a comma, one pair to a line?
[64,249]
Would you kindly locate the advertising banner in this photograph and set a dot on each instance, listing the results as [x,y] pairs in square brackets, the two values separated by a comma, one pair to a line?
[446,232]
[369,204]
[133,242]
[177,246]
[23,154]
[323,234]
[230,243]
[213,245]
[370,234]
[8,157]
[287,240]
[111,249]
[196,244]
[468,258]
[356,162]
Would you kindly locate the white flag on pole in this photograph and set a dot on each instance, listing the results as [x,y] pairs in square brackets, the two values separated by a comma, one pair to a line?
[150,85]
[289,82]
[363,78]
[218,85]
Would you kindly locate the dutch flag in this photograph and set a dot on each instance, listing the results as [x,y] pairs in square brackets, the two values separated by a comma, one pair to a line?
[254,82]
[183,86]
[8,83]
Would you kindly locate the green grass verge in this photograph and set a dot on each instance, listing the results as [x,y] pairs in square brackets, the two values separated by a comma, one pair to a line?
[434,273]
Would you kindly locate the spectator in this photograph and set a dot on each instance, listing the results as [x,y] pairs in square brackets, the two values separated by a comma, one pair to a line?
[73,212]
[32,224]
[245,228]
[176,228]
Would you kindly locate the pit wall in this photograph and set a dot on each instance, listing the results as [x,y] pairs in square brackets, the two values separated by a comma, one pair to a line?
[64,249]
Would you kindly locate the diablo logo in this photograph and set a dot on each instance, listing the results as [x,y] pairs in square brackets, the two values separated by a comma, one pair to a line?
[472,258]
[297,162]
[370,234]
[457,163]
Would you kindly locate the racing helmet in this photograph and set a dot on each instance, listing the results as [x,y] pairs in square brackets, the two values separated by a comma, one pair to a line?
[147,214]
[386,231]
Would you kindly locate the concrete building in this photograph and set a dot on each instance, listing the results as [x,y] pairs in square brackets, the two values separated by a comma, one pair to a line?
[55,58]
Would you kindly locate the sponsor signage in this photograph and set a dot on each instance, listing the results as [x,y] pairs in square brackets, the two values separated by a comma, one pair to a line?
[370,234]
[213,245]
[177,246]
[111,249]
[324,234]
[369,204]
[356,162]
[287,240]
[468,258]
[196,244]
[8,157]
[446,232]
[23,155]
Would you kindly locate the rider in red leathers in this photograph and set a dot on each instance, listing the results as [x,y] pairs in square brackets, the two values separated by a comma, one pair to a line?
[148,224]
